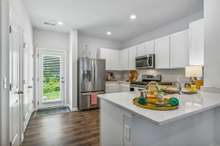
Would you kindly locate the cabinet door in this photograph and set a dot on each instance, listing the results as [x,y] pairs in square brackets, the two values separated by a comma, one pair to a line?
[141,50]
[146,48]
[105,54]
[179,50]
[162,51]
[114,60]
[150,47]
[132,57]
[196,39]
[124,59]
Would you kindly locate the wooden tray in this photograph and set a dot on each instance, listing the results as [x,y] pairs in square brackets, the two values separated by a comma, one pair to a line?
[152,106]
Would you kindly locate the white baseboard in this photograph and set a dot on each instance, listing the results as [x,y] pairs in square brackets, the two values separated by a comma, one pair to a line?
[73,109]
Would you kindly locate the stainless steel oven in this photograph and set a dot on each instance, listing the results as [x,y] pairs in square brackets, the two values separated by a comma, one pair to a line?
[145,62]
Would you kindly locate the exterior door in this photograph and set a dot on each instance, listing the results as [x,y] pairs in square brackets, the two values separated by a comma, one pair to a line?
[16,90]
[51,78]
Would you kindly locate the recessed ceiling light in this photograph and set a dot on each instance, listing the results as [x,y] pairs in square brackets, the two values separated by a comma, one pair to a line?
[109,33]
[133,16]
[60,23]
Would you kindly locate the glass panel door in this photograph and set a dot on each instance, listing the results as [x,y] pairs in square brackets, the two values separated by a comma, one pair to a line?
[51,78]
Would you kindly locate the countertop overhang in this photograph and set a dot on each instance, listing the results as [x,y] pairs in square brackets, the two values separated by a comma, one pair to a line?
[189,105]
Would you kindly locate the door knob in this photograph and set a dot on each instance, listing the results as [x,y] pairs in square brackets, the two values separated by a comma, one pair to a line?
[20,92]
[29,87]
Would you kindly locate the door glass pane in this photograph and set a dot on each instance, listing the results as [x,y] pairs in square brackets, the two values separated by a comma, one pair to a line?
[51,78]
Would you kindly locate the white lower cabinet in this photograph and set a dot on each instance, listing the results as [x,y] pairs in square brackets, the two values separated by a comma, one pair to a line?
[115,86]
[162,51]
[179,49]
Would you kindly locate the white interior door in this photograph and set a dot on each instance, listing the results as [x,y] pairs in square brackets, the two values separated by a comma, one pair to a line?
[51,78]
[16,90]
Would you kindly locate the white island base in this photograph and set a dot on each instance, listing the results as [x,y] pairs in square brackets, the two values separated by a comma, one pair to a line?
[127,125]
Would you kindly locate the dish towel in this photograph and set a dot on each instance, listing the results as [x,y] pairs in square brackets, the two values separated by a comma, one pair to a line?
[93,98]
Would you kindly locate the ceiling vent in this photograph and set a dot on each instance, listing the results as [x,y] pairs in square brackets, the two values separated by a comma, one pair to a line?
[50,24]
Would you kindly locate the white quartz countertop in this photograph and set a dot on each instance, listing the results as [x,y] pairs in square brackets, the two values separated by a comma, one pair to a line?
[189,105]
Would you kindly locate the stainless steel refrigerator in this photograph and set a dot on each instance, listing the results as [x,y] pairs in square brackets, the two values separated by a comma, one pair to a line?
[91,82]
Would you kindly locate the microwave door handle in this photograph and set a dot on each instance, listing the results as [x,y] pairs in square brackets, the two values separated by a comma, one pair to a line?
[148,62]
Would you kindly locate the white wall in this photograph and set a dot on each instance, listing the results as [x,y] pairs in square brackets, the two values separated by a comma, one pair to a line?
[45,39]
[50,39]
[212,43]
[73,76]
[170,28]
[94,43]
[4,73]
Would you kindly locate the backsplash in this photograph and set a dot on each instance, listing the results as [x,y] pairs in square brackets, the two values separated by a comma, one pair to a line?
[120,75]
[168,75]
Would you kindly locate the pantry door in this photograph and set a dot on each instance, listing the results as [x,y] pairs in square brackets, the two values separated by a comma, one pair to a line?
[16,84]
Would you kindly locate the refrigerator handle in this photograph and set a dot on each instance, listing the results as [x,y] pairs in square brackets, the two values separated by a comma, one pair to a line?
[94,76]
[93,67]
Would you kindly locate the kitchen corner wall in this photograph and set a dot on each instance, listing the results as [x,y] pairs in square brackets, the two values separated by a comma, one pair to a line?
[94,44]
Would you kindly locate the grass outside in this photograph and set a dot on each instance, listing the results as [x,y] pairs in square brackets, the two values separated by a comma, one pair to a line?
[51,88]
[53,95]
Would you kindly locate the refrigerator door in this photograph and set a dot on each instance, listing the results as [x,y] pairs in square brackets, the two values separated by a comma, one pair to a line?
[86,75]
[99,75]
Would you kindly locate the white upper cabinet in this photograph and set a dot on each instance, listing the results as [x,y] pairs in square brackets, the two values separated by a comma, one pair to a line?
[162,51]
[124,62]
[132,57]
[146,48]
[105,54]
[112,58]
[196,42]
[179,49]
[150,47]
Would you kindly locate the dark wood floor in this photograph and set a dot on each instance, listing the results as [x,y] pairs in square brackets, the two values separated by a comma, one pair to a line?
[67,129]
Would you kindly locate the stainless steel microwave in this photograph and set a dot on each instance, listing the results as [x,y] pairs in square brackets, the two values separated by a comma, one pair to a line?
[145,62]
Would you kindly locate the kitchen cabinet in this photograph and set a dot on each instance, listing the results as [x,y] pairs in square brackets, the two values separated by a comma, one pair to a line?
[196,42]
[146,48]
[112,58]
[132,57]
[104,54]
[179,49]
[124,59]
[162,51]
[117,86]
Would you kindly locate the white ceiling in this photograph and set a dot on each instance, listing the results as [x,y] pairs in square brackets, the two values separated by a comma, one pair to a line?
[95,17]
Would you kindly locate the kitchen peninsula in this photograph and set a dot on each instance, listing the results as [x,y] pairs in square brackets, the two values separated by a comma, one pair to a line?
[194,123]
